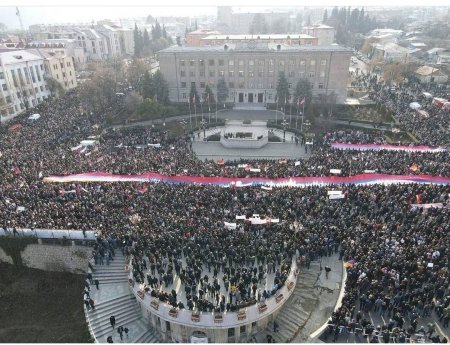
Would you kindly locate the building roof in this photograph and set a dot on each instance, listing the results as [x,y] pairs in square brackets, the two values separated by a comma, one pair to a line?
[318,26]
[17,56]
[260,47]
[418,44]
[256,37]
[435,50]
[46,54]
[204,31]
[426,70]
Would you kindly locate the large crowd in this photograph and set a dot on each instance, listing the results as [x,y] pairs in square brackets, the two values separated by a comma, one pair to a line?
[178,231]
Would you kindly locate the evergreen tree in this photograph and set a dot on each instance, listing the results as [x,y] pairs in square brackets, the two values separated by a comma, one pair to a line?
[161,88]
[222,91]
[179,41]
[164,32]
[258,25]
[325,17]
[309,23]
[282,89]
[137,42]
[196,26]
[148,86]
[146,39]
[156,31]
[208,92]
[303,90]
[193,93]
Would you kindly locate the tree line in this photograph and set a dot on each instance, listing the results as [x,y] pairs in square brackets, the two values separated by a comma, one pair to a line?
[144,46]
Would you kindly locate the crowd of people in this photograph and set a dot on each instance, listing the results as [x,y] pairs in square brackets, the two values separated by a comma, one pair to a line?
[399,255]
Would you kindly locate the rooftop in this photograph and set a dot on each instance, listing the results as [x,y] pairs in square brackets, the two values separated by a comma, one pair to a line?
[260,47]
[17,56]
[256,37]
[426,70]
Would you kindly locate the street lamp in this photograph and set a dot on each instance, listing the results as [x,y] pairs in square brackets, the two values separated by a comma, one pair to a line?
[284,123]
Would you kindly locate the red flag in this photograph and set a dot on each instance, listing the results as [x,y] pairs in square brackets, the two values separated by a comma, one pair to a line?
[221,162]
[302,101]
[143,190]
[16,170]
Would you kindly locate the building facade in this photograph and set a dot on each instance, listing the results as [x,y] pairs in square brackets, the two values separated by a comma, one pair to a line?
[289,39]
[193,38]
[23,85]
[251,71]
[59,67]
[62,46]
[325,34]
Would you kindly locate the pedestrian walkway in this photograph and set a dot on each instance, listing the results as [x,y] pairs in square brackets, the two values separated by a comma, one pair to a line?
[115,298]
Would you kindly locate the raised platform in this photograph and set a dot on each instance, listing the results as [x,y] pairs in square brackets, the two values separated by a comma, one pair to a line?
[241,135]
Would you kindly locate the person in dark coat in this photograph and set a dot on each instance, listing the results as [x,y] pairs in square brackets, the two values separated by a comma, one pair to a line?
[112,320]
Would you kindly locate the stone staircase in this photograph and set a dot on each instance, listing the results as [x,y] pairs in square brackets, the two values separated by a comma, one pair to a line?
[297,309]
[115,298]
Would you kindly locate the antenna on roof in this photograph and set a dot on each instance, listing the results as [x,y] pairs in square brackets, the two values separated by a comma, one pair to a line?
[20,18]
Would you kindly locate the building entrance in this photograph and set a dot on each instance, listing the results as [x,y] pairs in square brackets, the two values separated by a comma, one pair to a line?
[260,97]
[250,98]
[241,97]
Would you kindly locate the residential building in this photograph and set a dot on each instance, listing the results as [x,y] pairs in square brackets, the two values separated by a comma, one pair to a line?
[391,52]
[193,38]
[62,46]
[240,21]
[429,74]
[95,46]
[325,34]
[289,39]
[251,71]
[112,36]
[59,67]
[23,85]
[443,58]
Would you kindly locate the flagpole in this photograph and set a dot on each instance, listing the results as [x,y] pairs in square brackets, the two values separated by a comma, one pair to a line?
[303,116]
[209,110]
[190,114]
[216,109]
[195,111]
[296,119]
[290,114]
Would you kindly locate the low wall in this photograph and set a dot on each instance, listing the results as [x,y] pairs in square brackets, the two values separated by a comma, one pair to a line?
[53,257]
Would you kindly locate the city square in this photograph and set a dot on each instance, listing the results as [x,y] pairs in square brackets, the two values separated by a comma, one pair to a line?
[278,175]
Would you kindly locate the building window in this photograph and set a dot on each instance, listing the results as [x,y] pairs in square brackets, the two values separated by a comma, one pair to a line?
[221,73]
[281,63]
[320,85]
[230,332]
[193,84]
[251,85]
[292,62]
[42,67]
[251,74]
[183,84]
[4,87]
[230,73]
[241,73]
[231,85]
[271,62]
[211,62]
[202,84]
[261,62]
[270,73]
[220,62]
[230,62]
[302,62]
[291,74]
[192,73]
[212,73]
[2,75]
[242,329]
[241,84]
[323,62]
[301,74]
[260,86]
[8,99]
[261,74]
[322,74]
[192,63]
[201,62]
[202,73]
[290,85]
[183,95]
[241,62]
[312,63]
[251,62]
[57,76]
[183,73]
[270,85]
[42,88]
[182,63]
[312,74]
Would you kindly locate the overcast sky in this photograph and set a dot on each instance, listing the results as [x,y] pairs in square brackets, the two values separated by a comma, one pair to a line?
[51,11]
